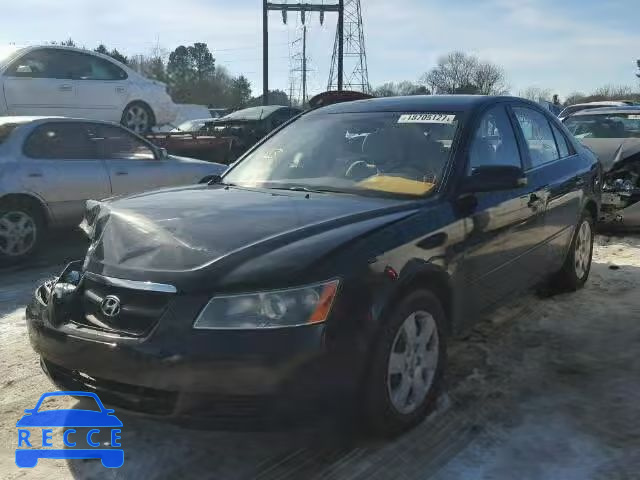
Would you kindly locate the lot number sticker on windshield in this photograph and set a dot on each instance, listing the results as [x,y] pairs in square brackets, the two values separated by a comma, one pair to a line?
[633,117]
[426,118]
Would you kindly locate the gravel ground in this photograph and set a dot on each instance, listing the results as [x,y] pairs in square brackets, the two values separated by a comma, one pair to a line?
[542,389]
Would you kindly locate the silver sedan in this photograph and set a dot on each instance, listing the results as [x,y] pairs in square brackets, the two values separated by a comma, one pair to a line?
[50,166]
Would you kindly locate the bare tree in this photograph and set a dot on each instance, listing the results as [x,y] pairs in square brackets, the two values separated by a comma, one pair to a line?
[458,72]
[536,94]
[489,79]
[405,87]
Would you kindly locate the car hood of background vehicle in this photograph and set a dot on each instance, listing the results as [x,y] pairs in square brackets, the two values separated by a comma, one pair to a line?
[191,228]
[612,151]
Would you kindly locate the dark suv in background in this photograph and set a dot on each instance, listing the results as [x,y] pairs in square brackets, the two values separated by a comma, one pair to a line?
[331,262]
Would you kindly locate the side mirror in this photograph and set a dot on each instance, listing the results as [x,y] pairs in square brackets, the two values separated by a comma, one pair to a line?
[24,69]
[491,178]
[163,154]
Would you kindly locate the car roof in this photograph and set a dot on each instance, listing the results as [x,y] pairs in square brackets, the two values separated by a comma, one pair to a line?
[28,48]
[608,110]
[418,103]
[24,119]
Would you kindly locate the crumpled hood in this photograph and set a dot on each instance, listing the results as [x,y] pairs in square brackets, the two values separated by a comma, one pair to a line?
[612,151]
[181,229]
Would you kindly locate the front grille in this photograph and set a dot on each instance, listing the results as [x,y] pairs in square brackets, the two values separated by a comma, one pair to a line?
[130,397]
[140,310]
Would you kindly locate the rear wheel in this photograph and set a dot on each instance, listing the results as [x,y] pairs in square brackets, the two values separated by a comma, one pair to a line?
[407,365]
[138,117]
[22,229]
[575,271]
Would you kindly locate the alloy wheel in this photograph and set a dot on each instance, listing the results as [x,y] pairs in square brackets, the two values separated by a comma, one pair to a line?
[137,118]
[413,362]
[18,233]
[582,252]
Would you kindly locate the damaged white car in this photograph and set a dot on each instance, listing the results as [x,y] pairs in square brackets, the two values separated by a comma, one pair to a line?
[613,134]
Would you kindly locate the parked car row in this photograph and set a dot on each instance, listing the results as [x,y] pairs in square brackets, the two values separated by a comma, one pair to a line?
[330,264]
[225,138]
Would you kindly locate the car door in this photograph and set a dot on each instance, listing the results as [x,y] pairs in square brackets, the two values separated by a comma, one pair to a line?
[59,164]
[102,88]
[40,83]
[556,166]
[504,228]
[132,163]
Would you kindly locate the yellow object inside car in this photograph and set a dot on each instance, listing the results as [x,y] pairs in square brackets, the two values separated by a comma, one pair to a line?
[386,183]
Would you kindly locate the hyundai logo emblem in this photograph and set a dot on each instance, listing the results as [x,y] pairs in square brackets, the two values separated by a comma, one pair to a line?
[110,306]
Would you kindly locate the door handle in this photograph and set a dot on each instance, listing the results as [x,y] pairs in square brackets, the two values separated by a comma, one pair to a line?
[65,88]
[34,175]
[121,172]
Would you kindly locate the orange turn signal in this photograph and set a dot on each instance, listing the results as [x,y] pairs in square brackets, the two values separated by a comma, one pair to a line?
[323,308]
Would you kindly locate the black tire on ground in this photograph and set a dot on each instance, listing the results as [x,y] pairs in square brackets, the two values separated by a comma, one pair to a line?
[132,117]
[570,277]
[10,211]
[380,416]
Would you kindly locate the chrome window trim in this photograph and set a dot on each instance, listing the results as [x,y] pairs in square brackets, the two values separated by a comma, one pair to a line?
[132,284]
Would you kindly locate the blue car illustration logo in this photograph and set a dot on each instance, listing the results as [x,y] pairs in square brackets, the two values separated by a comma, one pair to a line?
[68,418]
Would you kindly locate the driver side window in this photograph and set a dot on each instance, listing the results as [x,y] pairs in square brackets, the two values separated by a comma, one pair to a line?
[494,142]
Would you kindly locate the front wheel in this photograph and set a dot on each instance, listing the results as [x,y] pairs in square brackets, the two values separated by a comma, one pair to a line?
[407,365]
[21,231]
[577,265]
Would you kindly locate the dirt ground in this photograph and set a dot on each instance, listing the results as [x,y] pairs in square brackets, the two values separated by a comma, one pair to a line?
[542,389]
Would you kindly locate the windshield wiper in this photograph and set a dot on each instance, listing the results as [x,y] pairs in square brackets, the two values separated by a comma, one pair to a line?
[299,188]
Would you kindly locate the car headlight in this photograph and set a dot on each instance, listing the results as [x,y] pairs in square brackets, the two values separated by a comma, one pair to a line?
[270,309]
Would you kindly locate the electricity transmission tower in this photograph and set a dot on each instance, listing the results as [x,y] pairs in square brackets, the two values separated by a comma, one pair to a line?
[300,61]
[356,76]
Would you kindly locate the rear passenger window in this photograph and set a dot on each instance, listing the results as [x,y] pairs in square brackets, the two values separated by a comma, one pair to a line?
[537,132]
[561,140]
[494,142]
[61,141]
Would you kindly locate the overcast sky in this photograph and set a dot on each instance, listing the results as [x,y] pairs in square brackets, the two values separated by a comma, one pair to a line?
[568,45]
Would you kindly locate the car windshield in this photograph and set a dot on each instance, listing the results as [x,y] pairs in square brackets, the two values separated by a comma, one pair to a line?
[191,125]
[253,113]
[614,125]
[374,153]
[7,52]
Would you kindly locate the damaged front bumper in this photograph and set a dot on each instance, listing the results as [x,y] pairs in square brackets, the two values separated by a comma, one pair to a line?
[174,371]
[620,205]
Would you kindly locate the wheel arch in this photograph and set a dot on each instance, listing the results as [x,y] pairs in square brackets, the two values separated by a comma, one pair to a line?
[424,276]
[34,202]
[591,207]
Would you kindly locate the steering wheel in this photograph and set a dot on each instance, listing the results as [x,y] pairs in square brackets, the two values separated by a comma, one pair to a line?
[361,169]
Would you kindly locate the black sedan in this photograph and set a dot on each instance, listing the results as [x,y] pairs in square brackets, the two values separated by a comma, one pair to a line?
[332,261]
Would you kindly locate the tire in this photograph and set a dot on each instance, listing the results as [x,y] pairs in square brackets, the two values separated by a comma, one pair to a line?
[138,117]
[22,230]
[386,413]
[575,270]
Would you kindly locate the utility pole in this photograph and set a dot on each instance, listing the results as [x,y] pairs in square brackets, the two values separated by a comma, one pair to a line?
[340,37]
[302,8]
[265,52]
[304,65]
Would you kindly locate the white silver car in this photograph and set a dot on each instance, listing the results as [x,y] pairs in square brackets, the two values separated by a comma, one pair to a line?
[49,168]
[70,82]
